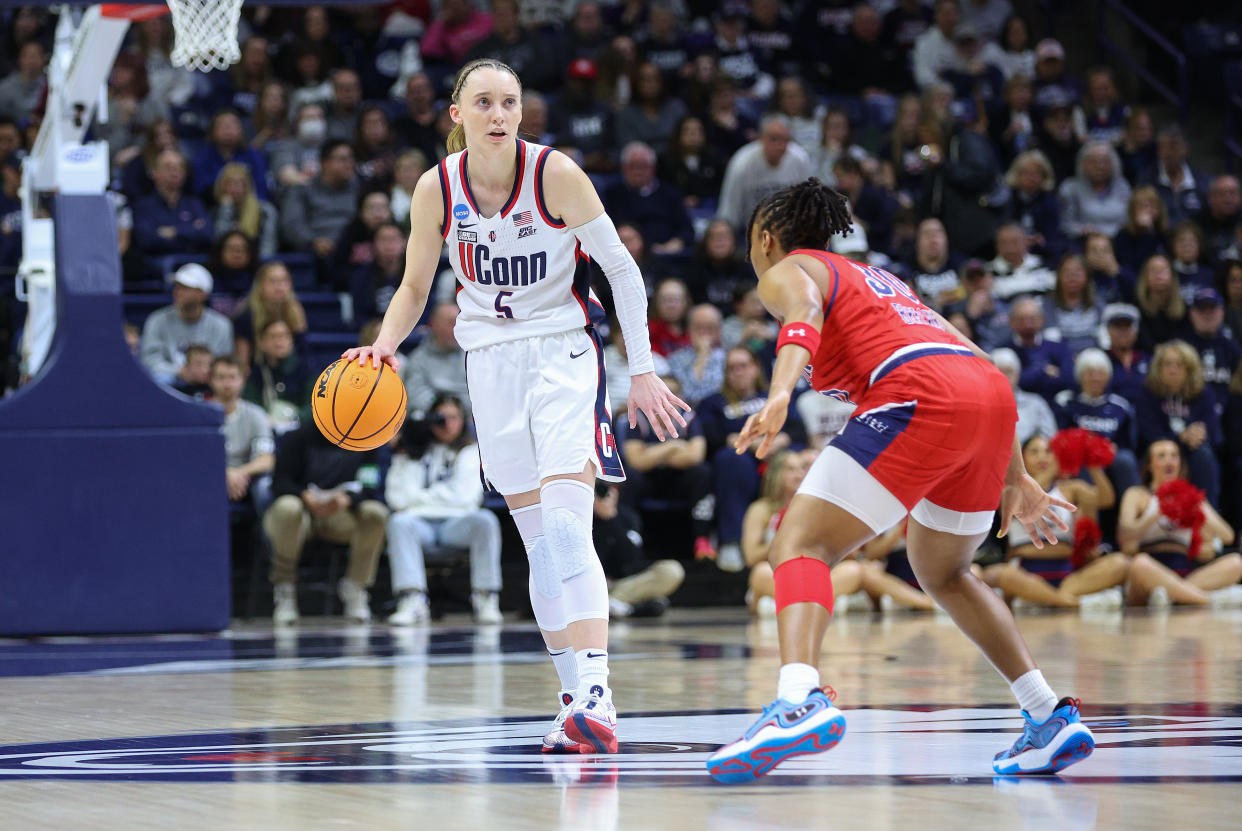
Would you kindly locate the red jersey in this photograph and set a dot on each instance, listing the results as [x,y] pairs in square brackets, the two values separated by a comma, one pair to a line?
[872,320]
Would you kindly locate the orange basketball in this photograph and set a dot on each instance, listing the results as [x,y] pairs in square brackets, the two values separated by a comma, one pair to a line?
[358,407]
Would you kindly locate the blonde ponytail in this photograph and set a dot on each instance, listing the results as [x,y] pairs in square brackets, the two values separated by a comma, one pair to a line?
[456,141]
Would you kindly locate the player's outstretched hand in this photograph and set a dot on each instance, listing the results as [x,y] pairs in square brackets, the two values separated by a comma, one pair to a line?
[374,353]
[766,423]
[657,402]
[1025,501]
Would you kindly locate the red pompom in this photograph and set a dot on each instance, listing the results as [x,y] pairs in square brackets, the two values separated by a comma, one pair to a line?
[1099,452]
[1087,538]
[1181,502]
[1070,448]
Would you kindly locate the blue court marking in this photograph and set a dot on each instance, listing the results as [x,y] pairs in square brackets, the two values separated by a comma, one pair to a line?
[1136,744]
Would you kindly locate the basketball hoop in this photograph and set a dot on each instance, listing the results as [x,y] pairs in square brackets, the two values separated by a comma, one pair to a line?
[206,30]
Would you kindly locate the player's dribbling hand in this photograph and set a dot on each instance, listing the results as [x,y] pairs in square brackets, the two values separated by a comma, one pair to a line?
[375,353]
[657,402]
[766,423]
[1025,501]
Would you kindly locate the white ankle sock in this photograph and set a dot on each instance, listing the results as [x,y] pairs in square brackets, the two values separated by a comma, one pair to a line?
[592,669]
[1034,695]
[566,667]
[796,682]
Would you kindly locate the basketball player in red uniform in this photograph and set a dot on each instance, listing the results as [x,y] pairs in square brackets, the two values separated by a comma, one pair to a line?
[932,437]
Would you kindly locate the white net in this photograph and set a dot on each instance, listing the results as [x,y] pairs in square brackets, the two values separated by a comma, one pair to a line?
[206,33]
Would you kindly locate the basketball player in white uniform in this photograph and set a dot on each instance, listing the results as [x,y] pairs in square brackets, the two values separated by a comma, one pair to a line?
[520,221]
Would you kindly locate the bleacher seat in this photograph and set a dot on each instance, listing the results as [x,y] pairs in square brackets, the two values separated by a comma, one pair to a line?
[325,347]
[301,268]
[138,306]
[323,312]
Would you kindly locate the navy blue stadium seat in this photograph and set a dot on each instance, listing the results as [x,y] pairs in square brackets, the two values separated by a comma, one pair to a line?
[301,268]
[323,312]
[138,306]
[325,347]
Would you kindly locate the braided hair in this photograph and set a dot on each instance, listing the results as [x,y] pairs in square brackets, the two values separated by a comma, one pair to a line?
[804,215]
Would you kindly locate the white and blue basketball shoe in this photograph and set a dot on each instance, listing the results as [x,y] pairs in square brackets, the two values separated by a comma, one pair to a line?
[1048,746]
[783,730]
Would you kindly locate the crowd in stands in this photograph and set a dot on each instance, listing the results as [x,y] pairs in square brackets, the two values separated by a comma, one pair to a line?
[1012,186]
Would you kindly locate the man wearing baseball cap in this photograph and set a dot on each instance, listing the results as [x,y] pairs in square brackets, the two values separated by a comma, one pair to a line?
[1219,352]
[1121,322]
[581,121]
[170,331]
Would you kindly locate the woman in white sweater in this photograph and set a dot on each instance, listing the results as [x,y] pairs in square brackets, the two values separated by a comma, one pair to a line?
[436,497]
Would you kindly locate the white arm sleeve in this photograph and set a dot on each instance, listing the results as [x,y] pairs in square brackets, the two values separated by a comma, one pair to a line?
[629,294]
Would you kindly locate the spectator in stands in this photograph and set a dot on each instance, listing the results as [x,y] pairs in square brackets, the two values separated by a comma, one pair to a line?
[652,113]
[280,381]
[1035,417]
[1017,270]
[1159,298]
[933,50]
[1231,293]
[249,446]
[962,183]
[375,150]
[170,331]
[669,304]
[736,56]
[717,268]
[170,221]
[1145,230]
[1073,310]
[874,209]
[296,159]
[582,122]
[1186,246]
[700,367]
[586,35]
[1100,116]
[767,164]
[1219,353]
[773,33]
[271,297]
[750,325]
[310,81]
[1052,82]
[1112,281]
[437,365]
[530,54]
[1092,407]
[1047,365]
[1012,127]
[1223,216]
[983,315]
[617,64]
[11,145]
[728,129]
[1177,405]
[743,393]
[270,123]
[373,284]
[534,124]
[656,208]
[239,208]
[454,32]
[805,117]
[1095,199]
[691,165]
[1033,205]
[436,496]
[313,215]
[1055,138]
[618,363]
[131,109]
[1017,57]
[935,266]
[1181,188]
[638,587]
[903,150]
[652,268]
[867,64]
[242,85]
[407,169]
[231,263]
[416,127]
[1130,366]
[21,90]
[315,38]
[345,107]
[836,143]
[975,74]
[194,380]
[904,23]
[355,243]
[226,143]
[322,490]
[987,16]
[1137,147]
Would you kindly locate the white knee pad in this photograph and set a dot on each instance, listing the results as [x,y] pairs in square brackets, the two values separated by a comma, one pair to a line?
[567,549]
[549,611]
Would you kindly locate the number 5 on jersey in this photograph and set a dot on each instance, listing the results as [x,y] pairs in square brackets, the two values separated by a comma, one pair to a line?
[502,310]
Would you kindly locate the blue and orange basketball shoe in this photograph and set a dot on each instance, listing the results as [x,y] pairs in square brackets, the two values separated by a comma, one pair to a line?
[1050,745]
[783,731]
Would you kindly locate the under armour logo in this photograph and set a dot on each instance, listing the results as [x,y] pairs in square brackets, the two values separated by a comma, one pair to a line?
[789,333]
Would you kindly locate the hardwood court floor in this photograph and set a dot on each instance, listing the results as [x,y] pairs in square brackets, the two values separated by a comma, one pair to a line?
[336,727]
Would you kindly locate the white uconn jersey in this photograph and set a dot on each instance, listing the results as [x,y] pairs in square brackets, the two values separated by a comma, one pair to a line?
[520,272]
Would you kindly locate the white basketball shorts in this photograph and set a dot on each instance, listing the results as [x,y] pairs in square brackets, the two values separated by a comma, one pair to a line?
[541,409]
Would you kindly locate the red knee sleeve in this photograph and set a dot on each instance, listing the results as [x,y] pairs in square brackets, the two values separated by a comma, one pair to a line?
[803,580]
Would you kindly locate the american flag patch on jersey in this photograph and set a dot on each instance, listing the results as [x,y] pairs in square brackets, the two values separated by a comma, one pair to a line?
[522,218]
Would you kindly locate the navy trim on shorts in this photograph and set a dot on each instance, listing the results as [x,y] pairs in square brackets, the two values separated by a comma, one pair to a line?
[1178,561]
[1054,570]
[607,455]
[869,434]
[922,353]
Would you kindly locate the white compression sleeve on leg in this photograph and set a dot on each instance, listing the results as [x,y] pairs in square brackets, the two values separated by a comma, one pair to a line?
[567,515]
[549,611]
[629,294]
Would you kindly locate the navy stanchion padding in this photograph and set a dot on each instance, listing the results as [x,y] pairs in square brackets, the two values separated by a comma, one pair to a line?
[114,510]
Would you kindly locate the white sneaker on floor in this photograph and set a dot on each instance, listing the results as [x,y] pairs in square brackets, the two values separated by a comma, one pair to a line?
[1159,598]
[555,741]
[857,602]
[729,557]
[356,600]
[1228,596]
[486,608]
[412,608]
[887,604]
[765,607]
[1101,601]
[619,608]
[592,721]
[285,604]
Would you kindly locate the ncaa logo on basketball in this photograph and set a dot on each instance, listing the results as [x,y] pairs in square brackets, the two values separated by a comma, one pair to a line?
[460,211]
[322,390]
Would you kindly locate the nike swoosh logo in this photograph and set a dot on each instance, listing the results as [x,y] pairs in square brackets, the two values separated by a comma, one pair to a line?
[596,654]
[580,354]
[466,225]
